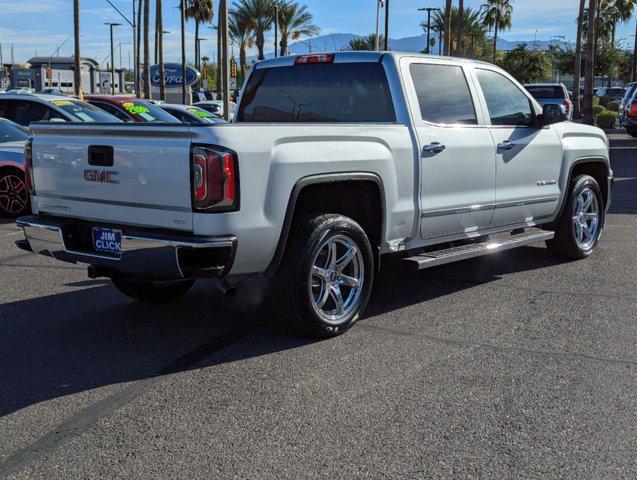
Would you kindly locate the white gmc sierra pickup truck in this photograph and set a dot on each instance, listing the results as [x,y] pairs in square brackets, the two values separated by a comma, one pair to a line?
[332,161]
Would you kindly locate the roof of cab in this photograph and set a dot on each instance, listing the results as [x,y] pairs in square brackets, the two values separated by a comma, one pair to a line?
[358,57]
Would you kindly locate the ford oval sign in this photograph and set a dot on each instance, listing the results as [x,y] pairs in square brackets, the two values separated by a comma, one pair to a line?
[172,75]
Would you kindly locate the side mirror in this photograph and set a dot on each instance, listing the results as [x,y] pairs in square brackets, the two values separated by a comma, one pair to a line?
[553,113]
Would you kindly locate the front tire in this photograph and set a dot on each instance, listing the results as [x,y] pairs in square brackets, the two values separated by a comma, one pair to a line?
[153,292]
[325,278]
[580,225]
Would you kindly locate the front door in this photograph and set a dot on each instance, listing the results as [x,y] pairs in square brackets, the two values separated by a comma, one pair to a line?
[528,158]
[457,155]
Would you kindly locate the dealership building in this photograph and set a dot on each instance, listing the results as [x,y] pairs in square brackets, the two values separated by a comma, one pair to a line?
[94,80]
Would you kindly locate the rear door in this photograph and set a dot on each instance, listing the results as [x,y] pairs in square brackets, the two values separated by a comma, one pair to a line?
[528,159]
[457,155]
[130,174]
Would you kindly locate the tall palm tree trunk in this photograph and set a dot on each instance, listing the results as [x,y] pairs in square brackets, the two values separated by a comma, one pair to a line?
[495,36]
[138,85]
[77,73]
[577,110]
[197,56]
[589,76]
[157,33]
[147,49]
[260,41]
[633,73]
[242,62]
[448,27]
[460,27]
[160,49]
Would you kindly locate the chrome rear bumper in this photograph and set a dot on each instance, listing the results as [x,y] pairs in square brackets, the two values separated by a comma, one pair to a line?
[143,254]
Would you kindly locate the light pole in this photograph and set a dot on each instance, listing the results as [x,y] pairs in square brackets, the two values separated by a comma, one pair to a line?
[379,5]
[428,10]
[224,46]
[387,26]
[111,25]
[199,40]
[276,30]
[135,39]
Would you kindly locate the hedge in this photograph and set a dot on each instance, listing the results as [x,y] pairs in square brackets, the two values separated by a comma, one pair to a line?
[606,119]
[613,106]
[597,110]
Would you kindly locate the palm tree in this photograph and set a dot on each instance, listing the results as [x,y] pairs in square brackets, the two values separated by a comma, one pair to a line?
[496,14]
[138,57]
[294,21]
[77,74]
[367,42]
[472,28]
[448,27]
[240,33]
[260,14]
[589,75]
[159,25]
[146,48]
[460,25]
[201,11]
[578,60]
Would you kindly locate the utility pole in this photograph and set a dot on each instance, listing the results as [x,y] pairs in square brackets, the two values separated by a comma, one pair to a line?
[111,25]
[379,5]
[224,55]
[183,51]
[77,73]
[387,25]
[199,40]
[428,10]
[633,73]
[135,40]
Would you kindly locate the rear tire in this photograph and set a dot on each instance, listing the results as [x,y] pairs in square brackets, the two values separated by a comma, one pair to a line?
[153,292]
[14,195]
[325,278]
[580,225]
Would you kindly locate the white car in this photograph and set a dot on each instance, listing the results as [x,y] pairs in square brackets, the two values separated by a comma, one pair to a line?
[331,162]
[216,107]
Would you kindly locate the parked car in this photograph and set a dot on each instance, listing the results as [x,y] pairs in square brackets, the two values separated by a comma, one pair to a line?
[625,104]
[11,131]
[26,108]
[333,160]
[216,107]
[610,95]
[552,93]
[21,90]
[129,109]
[190,113]
[14,195]
[53,91]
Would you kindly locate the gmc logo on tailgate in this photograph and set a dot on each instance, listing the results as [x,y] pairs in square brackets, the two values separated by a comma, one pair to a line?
[101,176]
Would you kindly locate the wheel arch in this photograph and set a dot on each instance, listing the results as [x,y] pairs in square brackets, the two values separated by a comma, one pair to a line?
[331,182]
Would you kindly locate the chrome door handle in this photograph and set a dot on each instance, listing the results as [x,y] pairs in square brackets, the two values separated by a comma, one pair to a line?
[506,145]
[434,147]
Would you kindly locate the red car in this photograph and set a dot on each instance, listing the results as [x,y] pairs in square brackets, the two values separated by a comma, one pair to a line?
[130,109]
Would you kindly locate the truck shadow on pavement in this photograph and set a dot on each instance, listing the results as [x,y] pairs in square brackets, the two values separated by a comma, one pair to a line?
[91,337]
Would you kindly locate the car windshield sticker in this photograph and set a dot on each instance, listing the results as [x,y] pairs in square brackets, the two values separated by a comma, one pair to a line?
[62,103]
[200,113]
[140,110]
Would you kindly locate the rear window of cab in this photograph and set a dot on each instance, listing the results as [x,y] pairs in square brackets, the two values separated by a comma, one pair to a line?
[318,93]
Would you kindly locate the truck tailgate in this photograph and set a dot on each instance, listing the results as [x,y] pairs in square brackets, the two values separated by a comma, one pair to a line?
[133,174]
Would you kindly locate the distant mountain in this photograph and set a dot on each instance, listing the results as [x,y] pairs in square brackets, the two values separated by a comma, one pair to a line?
[338,41]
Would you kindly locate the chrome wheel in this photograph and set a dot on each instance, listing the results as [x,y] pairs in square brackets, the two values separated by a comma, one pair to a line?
[14,196]
[586,218]
[336,278]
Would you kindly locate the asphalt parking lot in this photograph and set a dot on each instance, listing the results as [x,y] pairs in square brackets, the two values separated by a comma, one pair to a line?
[511,366]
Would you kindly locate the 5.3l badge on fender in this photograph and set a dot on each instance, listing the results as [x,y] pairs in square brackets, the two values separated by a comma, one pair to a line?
[101,176]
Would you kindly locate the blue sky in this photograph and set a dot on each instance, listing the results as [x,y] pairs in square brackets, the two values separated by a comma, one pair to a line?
[41,25]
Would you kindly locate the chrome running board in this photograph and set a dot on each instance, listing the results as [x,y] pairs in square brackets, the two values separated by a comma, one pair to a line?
[464,252]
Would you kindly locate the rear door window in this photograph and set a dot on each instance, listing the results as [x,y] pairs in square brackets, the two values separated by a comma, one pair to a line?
[443,94]
[320,93]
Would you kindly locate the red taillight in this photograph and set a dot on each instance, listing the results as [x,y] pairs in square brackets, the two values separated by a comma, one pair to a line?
[28,166]
[315,58]
[214,178]
[567,105]
[633,110]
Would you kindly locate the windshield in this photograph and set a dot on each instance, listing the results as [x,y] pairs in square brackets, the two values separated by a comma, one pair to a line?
[11,132]
[546,92]
[84,112]
[629,92]
[147,112]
